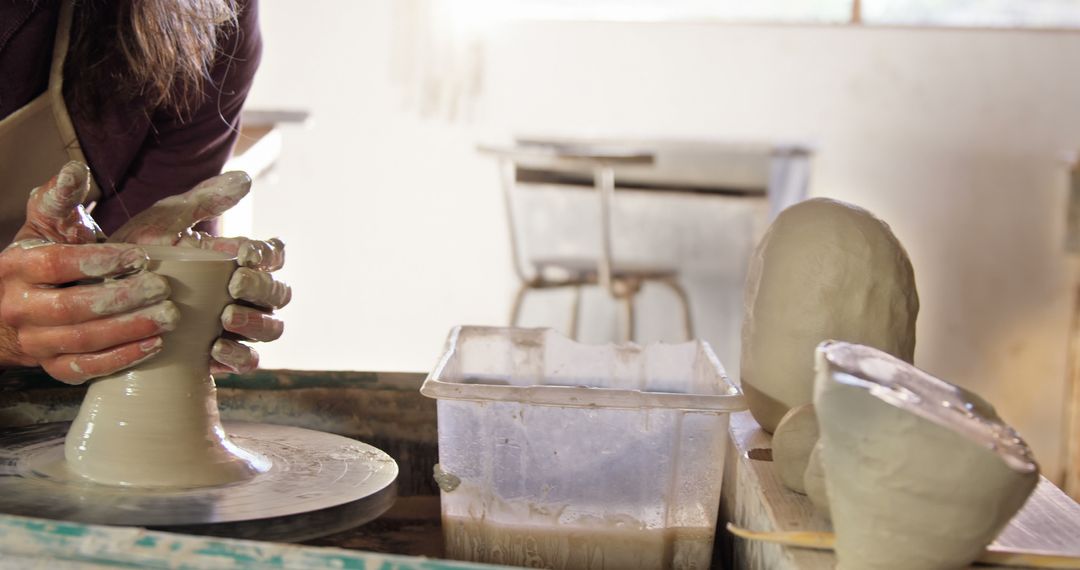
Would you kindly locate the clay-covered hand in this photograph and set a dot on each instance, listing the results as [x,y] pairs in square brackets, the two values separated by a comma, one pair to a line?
[171,221]
[57,310]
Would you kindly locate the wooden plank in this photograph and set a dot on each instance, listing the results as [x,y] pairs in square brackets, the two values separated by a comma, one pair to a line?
[1049,521]
[385,409]
[28,542]
[22,379]
[754,498]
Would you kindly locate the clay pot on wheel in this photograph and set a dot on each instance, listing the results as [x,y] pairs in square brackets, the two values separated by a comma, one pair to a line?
[157,424]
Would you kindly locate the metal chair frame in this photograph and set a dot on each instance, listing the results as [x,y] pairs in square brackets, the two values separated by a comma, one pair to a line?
[621,285]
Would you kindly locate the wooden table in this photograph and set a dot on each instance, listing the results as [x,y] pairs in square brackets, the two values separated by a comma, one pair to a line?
[387,410]
[383,409]
[755,499]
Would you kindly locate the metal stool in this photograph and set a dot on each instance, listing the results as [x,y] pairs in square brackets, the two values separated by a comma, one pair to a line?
[622,281]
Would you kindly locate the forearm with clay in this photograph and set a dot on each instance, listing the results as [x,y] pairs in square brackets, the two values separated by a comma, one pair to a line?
[82,309]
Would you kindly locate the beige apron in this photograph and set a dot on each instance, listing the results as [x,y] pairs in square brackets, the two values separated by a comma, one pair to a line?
[37,139]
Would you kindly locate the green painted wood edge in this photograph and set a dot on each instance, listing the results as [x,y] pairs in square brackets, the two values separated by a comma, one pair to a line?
[35,378]
[129,547]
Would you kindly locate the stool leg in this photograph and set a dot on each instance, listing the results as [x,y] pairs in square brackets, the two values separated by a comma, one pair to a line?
[684,300]
[519,299]
[575,313]
[629,318]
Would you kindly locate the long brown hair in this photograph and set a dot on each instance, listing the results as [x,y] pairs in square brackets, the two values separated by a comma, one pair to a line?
[156,51]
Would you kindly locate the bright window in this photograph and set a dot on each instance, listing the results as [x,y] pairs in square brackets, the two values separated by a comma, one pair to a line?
[951,13]
[974,13]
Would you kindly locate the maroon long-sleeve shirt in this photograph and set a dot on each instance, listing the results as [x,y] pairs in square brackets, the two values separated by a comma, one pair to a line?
[135,158]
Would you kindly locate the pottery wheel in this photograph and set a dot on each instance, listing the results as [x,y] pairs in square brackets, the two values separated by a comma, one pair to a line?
[319,484]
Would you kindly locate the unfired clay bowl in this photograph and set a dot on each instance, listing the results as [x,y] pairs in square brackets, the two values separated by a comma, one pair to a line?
[917,475]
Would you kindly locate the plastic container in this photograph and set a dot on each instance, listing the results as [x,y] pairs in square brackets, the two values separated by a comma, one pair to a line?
[557,454]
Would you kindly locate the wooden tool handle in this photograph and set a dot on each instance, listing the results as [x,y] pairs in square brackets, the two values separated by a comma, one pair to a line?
[993,555]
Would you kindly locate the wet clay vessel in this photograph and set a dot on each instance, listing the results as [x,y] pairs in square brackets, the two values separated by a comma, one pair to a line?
[794,439]
[814,483]
[918,474]
[824,270]
[157,424]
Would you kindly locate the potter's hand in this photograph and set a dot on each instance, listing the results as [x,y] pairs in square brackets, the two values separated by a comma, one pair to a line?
[170,222]
[57,312]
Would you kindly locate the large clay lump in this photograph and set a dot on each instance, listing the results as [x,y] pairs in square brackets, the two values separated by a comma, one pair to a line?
[824,270]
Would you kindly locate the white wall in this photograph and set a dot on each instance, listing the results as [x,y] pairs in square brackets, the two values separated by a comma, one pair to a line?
[395,228]
[388,220]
